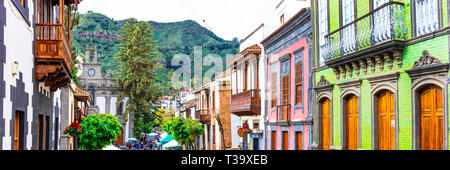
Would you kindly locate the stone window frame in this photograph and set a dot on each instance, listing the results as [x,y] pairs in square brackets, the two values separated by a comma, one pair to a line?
[298,58]
[349,88]
[428,72]
[284,70]
[323,91]
[286,60]
[413,13]
[379,84]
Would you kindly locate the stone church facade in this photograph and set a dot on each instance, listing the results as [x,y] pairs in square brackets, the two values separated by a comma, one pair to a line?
[104,91]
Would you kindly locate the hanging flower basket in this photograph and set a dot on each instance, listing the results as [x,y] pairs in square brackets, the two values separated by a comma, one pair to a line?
[247,128]
[73,129]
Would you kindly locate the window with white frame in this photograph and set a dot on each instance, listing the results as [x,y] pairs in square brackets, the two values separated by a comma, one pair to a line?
[323,29]
[427,14]
[348,33]
[274,80]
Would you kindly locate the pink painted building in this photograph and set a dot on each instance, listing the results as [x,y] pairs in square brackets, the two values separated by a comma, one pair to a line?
[289,84]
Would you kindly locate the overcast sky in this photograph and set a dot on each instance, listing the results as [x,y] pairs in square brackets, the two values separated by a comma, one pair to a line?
[226,18]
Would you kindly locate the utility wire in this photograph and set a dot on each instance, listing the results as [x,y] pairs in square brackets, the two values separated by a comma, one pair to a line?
[198,16]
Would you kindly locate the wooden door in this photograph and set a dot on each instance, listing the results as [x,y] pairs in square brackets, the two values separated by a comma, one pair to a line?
[16,131]
[120,137]
[299,136]
[352,122]
[274,140]
[326,124]
[204,142]
[285,107]
[47,133]
[431,118]
[386,121]
[285,141]
[40,137]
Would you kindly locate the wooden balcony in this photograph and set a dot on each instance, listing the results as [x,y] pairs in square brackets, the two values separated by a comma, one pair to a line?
[53,55]
[284,113]
[371,39]
[203,116]
[246,103]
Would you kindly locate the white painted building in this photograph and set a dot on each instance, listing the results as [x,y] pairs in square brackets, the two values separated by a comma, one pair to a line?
[284,10]
[16,74]
[248,83]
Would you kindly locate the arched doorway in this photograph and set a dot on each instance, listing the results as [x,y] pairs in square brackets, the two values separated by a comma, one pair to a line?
[386,120]
[119,139]
[91,89]
[431,118]
[352,119]
[326,123]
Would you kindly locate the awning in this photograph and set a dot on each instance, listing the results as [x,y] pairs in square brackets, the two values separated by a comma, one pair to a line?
[167,139]
[171,144]
[132,139]
[82,95]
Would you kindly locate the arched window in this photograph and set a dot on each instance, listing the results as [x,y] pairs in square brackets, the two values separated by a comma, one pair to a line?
[91,89]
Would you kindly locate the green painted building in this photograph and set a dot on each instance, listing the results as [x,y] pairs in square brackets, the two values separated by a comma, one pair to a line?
[382,74]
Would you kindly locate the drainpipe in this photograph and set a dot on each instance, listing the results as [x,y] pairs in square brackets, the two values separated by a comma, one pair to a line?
[265,103]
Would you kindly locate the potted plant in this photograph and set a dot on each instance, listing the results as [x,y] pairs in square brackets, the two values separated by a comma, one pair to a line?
[74,129]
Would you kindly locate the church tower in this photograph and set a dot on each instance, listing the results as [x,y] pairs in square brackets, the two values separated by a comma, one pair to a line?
[104,90]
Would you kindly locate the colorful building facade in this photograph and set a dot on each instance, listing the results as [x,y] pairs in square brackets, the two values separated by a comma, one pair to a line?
[247,90]
[220,91]
[381,74]
[289,87]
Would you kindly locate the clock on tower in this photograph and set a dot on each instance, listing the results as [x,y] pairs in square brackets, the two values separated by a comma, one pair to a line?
[91,72]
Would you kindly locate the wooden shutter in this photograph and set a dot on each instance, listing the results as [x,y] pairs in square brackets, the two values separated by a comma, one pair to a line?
[285,90]
[299,84]
[274,90]
[326,124]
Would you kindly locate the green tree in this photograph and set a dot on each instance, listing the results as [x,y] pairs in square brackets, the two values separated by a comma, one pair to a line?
[97,131]
[143,122]
[184,131]
[138,57]
[73,66]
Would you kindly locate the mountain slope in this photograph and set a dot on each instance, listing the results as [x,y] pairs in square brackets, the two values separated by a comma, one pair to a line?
[98,30]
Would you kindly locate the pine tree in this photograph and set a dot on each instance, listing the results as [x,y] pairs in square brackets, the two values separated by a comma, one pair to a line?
[138,57]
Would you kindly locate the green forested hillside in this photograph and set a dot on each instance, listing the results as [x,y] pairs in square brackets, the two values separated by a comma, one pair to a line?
[98,30]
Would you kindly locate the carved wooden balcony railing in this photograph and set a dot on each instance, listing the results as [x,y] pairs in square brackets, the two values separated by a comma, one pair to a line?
[53,55]
[246,103]
[375,37]
[203,116]
[284,113]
